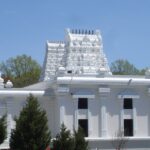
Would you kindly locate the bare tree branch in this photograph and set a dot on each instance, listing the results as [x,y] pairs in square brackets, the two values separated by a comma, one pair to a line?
[119,141]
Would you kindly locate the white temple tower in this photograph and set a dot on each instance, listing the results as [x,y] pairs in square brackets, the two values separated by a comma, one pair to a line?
[84,50]
[80,54]
[53,59]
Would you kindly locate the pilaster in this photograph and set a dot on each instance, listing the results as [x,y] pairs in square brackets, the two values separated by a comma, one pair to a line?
[122,119]
[104,121]
[89,122]
[134,120]
[62,114]
[75,114]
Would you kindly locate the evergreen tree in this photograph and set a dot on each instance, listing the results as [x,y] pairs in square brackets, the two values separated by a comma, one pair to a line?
[80,143]
[31,131]
[64,140]
[3,127]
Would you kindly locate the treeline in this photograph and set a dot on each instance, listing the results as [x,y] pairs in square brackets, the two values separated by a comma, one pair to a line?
[124,67]
[21,70]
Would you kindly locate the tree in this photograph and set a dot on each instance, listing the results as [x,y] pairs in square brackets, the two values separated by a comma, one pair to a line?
[31,132]
[3,127]
[64,140]
[80,143]
[22,70]
[119,141]
[123,67]
[143,71]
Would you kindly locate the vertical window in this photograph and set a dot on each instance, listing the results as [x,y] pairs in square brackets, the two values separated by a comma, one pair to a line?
[82,103]
[83,123]
[128,127]
[128,103]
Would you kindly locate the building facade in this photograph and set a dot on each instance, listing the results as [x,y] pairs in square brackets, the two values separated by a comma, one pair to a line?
[77,88]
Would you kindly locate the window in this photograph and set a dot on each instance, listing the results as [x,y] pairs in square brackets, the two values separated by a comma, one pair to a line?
[128,127]
[128,104]
[82,103]
[69,71]
[83,123]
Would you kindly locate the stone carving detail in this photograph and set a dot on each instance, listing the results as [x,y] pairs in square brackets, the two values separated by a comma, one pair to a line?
[8,84]
[80,54]
[53,59]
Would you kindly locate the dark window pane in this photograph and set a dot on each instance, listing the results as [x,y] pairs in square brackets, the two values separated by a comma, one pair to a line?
[82,103]
[128,104]
[83,123]
[69,71]
[128,127]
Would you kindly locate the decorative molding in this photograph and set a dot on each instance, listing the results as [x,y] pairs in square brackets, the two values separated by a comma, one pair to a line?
[63,89]
[104,90]
[83,93]
[83,96]
[128,96]
[128,93]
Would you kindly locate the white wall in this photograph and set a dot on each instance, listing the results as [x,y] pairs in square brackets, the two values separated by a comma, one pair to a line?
[113,109]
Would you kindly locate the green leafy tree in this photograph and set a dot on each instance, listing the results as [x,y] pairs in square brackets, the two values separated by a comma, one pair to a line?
[3,127]
[31,132]
[80,143]
[123,67]
[64,140]
[22,70]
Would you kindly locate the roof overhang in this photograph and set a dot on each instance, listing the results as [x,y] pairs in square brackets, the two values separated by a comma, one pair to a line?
[22,92]
[105,80]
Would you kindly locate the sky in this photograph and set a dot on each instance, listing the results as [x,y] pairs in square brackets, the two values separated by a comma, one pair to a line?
[26,25]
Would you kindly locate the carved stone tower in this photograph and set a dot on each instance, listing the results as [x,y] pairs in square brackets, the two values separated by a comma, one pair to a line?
[84,53]
[81,54]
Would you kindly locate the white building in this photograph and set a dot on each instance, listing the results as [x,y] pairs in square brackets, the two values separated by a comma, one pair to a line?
[77,88]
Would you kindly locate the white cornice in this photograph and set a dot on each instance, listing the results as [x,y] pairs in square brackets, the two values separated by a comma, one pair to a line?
[105,80]
[110,138]
[21,92]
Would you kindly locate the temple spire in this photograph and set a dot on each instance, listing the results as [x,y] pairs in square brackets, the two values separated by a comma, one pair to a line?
[80,54]
[85,54]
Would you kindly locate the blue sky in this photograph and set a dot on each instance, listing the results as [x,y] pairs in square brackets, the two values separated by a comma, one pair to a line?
[25,25]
